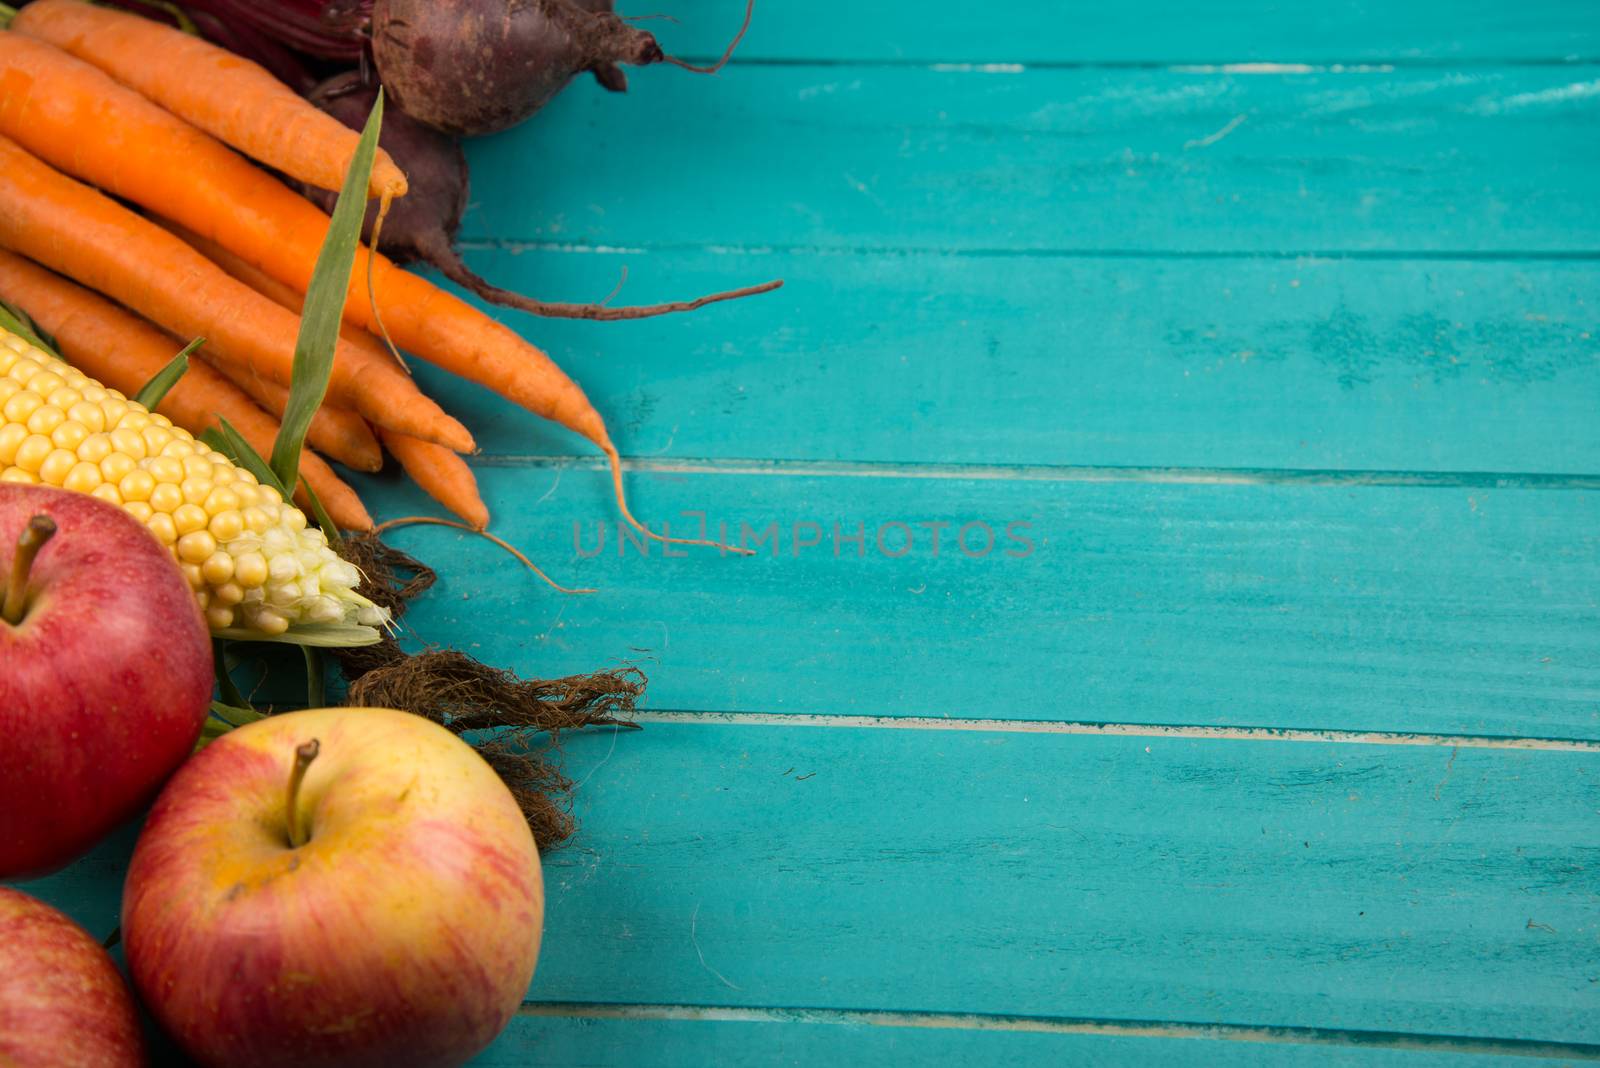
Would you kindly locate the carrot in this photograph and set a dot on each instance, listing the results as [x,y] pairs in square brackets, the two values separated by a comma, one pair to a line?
[231,98]
[124,352]
[271,288]
[80,233]
[442,474]
[338,433]
[48,100]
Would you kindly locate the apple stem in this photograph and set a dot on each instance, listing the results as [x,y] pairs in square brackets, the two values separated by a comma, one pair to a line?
[303,756]
[38,531]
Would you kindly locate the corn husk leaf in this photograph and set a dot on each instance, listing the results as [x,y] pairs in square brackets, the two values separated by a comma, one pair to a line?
[323,311]
[155,391]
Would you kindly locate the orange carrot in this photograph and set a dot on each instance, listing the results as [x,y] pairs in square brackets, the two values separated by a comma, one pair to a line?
[80,233]
[338,433]
[231,98]
[48,100]
[274,290]
[124,352]
[442,474]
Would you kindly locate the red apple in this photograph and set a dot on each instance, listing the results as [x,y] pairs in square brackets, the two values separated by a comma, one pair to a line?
[105,673]
[380,904]
[62,1003]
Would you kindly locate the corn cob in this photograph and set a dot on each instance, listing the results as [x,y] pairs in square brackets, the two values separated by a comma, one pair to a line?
[255,566]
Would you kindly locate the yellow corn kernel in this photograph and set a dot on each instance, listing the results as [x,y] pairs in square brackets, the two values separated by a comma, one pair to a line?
[32,451]
[11,435]
[195,490]
[127,442]
[45,418]
[136,485]
[160,524]
[69,434]
[116,465]
[189,518]
[165,497]
[225,526]
[85,478]
[164,469]
[94,448]
[20,405]
[196,547]
[92,416]
[217,569]
[251,560]
[56,465]
[250,570]
[155,439]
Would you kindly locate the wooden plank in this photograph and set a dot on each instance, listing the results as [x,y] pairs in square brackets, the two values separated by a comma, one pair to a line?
[1323,364]
[1147,31]
[1262,883]
[1291,605]
[1485,160]
[626,1037]
[1414,890]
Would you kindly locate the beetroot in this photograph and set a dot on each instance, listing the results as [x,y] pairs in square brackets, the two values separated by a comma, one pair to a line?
[422,224]
[477,66]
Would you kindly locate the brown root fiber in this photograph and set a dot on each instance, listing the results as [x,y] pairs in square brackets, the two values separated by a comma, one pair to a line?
[516,723]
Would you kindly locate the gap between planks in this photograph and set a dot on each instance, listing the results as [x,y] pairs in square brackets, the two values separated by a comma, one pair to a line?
[1119,730]
[1313,1036]
[1380,65]
[517,247]
[1224,476]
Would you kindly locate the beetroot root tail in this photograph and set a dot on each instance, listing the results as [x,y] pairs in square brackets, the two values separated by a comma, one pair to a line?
[749,10]
[440,254]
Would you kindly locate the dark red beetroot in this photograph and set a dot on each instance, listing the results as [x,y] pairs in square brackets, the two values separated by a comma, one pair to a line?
[422,224]
[477,66]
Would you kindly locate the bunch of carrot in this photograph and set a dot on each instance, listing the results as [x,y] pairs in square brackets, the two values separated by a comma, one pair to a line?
[97,104]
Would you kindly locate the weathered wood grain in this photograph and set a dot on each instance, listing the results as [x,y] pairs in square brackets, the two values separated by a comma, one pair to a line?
[1495,160]
[1145,31]
[1319,364]
[1320,606]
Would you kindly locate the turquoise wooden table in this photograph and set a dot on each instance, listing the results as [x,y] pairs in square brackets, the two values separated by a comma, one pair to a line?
[1261,728]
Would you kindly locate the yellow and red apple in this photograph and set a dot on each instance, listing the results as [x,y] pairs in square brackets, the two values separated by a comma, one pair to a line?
[339,887]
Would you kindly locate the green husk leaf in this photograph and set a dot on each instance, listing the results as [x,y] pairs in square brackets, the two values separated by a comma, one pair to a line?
[318,635]
[228,441]
[324,306]
[316,678]
[18,322]
[155,390]
[231,697]
[222,719]
[330,529]
[185,23]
